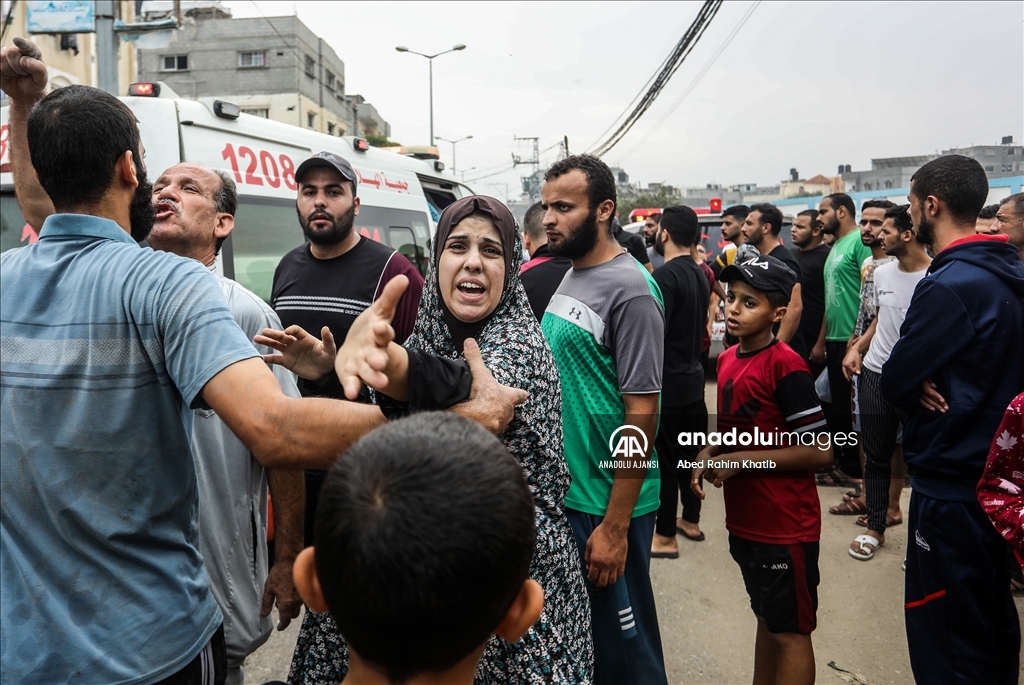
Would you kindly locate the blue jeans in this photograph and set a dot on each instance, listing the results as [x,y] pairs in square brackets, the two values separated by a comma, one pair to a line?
[624,620]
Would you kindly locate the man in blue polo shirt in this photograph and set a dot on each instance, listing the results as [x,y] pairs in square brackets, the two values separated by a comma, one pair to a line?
[107,348]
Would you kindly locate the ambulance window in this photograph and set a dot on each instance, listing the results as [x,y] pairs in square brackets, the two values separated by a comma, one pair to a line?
[405,230]
[403,240]
[265,229]
[14,232]
[439,199]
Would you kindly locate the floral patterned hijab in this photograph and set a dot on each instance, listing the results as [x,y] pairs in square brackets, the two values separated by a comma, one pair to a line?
[513,348]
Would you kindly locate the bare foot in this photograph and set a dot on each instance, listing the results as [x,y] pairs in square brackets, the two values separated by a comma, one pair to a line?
[664,547]
[690,530]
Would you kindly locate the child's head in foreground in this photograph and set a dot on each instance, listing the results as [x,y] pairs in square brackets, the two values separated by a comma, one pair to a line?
[759,291]
[424,536]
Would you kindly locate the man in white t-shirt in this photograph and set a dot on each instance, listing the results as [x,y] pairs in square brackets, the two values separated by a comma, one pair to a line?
[894,287]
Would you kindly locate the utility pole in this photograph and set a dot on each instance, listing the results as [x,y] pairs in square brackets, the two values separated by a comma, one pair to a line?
[531,184]
[106,47]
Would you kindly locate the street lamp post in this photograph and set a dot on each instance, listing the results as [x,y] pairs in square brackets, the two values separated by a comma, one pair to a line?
[454,143]
[430,59]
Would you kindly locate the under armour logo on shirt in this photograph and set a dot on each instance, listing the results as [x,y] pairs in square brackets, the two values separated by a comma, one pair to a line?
[575,311]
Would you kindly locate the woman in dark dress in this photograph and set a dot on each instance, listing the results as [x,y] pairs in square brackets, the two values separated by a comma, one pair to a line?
[473,290]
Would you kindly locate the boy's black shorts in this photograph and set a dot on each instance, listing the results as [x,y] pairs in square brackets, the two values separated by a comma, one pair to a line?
[782,582]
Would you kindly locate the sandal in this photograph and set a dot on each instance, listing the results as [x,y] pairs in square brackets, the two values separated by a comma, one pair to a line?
[856,493]
[853,506]
[837,477]
[862,521]
[868,545]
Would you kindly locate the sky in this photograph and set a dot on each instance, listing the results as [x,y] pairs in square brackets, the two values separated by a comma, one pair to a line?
[799,85]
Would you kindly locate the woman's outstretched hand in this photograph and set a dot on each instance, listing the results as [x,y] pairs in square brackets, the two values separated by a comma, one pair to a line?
[363,355]
[300,352]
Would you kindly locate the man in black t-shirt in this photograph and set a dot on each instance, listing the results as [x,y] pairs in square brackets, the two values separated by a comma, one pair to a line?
[761,230]
[632,243]
[811,254]
[542,275]
[686,292]
[330,280]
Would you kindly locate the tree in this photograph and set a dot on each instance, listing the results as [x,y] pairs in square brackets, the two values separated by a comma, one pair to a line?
[631,198]
[381,141]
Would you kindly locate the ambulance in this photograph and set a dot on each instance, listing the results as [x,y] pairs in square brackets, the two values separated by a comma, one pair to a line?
[402,191]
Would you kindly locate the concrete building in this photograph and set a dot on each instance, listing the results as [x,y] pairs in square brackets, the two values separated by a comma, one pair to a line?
[819,185]
[999,161]
[273,67]
[621,177]
[701,196]
[71,58]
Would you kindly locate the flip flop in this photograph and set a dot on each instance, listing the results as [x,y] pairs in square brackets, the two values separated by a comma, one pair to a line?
[853,506]
[665,555]
[862,521]
[838,478]
[869,544]
[699,538]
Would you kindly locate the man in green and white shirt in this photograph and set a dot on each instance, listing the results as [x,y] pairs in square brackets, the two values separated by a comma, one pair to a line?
[605,325]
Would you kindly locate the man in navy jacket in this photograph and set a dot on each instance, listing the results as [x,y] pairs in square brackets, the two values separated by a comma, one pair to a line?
[956,367]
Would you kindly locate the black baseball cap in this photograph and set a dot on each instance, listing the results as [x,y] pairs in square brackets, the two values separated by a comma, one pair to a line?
[763,273]
[331,161]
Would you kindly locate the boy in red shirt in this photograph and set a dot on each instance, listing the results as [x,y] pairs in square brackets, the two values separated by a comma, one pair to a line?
[771,436]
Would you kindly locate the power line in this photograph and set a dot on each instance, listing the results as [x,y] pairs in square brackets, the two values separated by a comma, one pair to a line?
[508,167]
[636,97]
[669,67]
[696,80]
[500,171]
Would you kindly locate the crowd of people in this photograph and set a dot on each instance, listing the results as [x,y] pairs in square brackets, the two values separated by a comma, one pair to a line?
[446,492]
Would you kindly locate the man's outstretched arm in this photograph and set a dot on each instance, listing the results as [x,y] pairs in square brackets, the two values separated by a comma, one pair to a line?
[281,431]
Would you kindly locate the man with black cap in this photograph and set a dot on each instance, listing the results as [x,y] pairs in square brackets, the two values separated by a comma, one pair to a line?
[773,515]
[327,282]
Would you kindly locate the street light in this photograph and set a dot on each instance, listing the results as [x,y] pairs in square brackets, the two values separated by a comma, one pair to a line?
[430,58]
[453,142]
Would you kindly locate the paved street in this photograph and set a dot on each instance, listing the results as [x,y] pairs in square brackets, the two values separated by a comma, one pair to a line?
[707,628]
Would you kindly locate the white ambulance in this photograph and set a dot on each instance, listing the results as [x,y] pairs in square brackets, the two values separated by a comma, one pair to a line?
[402,192]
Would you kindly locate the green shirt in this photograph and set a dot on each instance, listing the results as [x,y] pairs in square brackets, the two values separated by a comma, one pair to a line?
[842,285]
[606,328]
